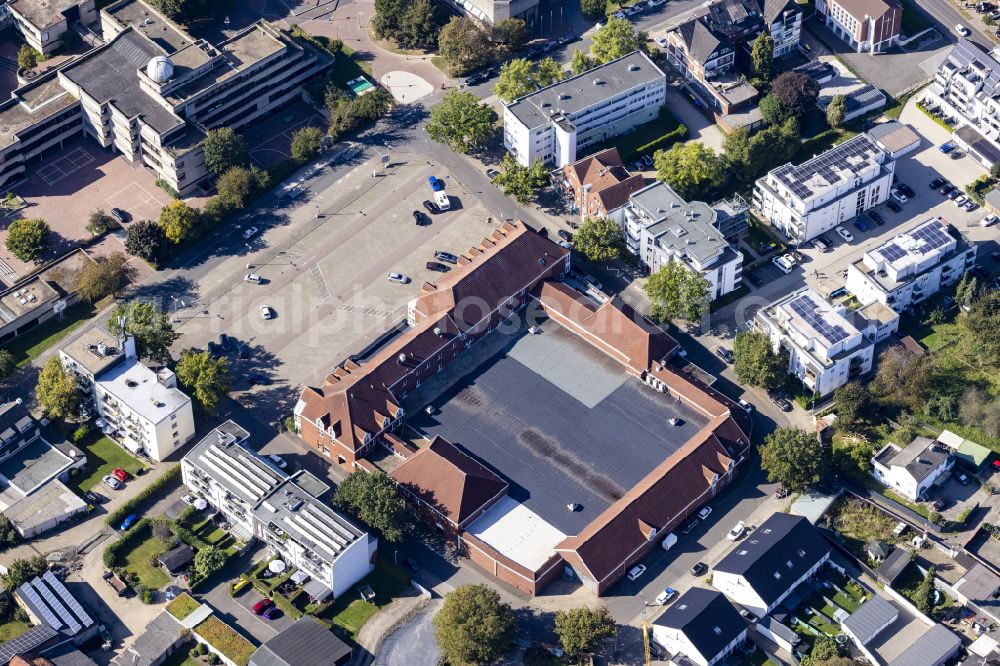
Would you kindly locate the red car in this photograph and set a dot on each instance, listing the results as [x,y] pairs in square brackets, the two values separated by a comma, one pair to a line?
[119,474]
[996,463]
[261,606]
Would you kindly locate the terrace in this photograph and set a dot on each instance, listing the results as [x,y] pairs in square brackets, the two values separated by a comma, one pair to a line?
[826,605]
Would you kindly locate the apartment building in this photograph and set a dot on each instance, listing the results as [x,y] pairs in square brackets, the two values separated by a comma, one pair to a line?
[44,23]
[492,12]
[661,227]
[140,408]
[825,349]
[597,185]
[966,86]
[806,200]
[553,123]
[911,267]
[867,25]
[702,627]
[152,91]
[291,515]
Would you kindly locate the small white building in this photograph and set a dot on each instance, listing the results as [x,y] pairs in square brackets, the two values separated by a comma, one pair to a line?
[911,471]
[553,123]
[661,227]
[763,569]
[825,348]
[912,266]
[806,200]
[702,626]
[871,26]
[895,138]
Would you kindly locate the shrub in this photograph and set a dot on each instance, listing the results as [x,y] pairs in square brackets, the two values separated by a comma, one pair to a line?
[147,596]
[290,424]
[131,506]
[167,187]
[664,142]
[80,433]
[101,223]
[202,649]
[193,653]
[213,658]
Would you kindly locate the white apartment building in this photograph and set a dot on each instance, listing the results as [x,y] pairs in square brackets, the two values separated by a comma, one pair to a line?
[495,11]
[806,200]
[140,408]
[290,514]
[43,23]
[152,91]
[912,266]
[701,626]
[913,470]
[825,349]
[967,86]
[867,25]
[661,227]
[551,124]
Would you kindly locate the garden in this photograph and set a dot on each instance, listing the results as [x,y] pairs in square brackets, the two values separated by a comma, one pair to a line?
[833,598]
[226,640]
[858,522]
[103,455]
[13,620]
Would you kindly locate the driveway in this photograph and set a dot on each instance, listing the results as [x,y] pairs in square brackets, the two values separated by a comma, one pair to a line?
[412,644]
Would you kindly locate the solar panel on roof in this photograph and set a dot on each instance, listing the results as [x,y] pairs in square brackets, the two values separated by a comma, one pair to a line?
[806,308]
[56,605]
[26,642]
[68,598]
[932,236]
[892,252]
[47,616]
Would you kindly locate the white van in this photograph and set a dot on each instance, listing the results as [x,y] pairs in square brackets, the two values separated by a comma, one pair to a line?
[252,277]
[442,200]
[784,264]
[820,244]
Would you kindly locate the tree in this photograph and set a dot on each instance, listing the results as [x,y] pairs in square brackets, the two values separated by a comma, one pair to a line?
[306,143]
[473,625]
[521,76]
[600,239]
[904,378]
[26,239]
[372,105]
[465,44]
[774,145]
[8,535]
[977,410]
[967,289]
[206,376]
[58,393]
[146,240]
[461,121]
[691,169]
[824,650]
[924,593]
[27,57]
[183,11]
[593,9]
[508,36]
[178,220]
[105,276]
[239,185]
[772,110]
[23,570]
[677,292]
[793,458]
[851,403]
[208,560]
[519,181]
[582,630]
[616,39]
[151,329]
[982,324]
[100,222]
[7,364]
[754,360]
[835,111]
[224,149]
[411,25]
[375,500]
[762,56]
[581,62]
[796,91]
[736,150]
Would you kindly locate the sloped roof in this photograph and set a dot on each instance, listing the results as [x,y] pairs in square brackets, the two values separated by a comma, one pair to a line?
[606,162]
[617,195]
[304,642]
[448,480]
[871,618]
[707,620]
[893,565]
[699,40]
[935,646]
[177,557]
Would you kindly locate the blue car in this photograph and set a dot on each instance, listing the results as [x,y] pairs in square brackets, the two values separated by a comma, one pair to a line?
[129,522]
[860,223]
[947,147]
[436,183]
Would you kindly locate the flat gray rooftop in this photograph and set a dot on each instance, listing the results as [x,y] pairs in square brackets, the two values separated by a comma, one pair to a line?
[559,420]
[33,465]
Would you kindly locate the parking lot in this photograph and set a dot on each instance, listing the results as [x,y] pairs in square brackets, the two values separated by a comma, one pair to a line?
[324,275]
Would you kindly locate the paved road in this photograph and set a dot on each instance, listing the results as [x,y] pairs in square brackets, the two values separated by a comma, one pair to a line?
[412,644]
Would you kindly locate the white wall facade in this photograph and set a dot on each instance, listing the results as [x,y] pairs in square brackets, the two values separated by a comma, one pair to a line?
[676,642]
[915,290]
[739,590]
[902,482]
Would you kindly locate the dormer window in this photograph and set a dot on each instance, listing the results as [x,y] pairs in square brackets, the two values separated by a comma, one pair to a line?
[319,423]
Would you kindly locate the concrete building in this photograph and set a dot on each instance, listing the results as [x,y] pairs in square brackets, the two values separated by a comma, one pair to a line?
[661,227]
[870,26]
[825,349]
[47,601]
[152,91]
[701,627]
[806,200]
[44,23]
[895,138]
[492,12]
[913,470]
[40,297]
[554,123]
[912,266]
[761,571]
[290,515]
[141,408]
[966,87]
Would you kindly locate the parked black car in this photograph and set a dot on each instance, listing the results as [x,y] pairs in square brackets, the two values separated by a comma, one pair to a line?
[936,183]
[255,377]
[906,189]
[431,207]
[698,569]
[437,266]
[877,218]
[224,342]
[565,235]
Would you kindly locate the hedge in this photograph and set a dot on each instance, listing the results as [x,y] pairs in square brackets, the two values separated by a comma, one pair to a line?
[662,143]
[935,118]
[142,498]
[139,531]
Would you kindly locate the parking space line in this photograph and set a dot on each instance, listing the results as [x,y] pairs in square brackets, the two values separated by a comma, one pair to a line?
[365,310]
[317,275]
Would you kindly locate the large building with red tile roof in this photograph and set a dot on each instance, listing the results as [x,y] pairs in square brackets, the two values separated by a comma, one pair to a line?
[565,441]
[599,185]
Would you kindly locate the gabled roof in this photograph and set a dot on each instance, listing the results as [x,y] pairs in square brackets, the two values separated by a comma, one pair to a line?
[920,458]
[776,555]
[592,167]
[617,195]
[707,620]
[893,565]
[449,481]
[304,642]
[177,557]
[698,39]
[871,618]
[935,646]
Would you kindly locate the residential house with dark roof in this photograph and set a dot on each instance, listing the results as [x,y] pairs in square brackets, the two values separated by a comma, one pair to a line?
[870,26]
[767,566]
[913,470]
[598,185]
[701,626]
[893,565]
[303,643]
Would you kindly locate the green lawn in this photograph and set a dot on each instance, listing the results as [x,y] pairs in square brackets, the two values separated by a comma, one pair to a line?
[139,559]
[846,601]
[26,348]
[12,629]
[351,613]
[628,145]
[759,238]
[182,657]
[103,455]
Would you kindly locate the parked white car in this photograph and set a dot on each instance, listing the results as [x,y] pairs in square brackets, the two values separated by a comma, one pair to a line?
[898,196]
[661,41]
[265,312]
[784,263]
[278,460]
[250,233]
[989,219]
[962,30]
[636,571]
[399,277]
[705,512]
[739,529]
[845,234]
[665,596]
